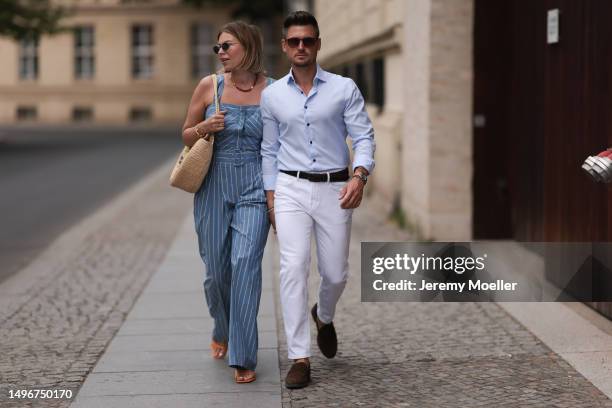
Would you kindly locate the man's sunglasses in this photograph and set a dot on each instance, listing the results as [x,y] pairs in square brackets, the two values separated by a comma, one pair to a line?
[294,42]
[225,46]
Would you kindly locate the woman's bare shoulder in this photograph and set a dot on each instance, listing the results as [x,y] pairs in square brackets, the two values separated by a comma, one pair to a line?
[206,84]
[204,89]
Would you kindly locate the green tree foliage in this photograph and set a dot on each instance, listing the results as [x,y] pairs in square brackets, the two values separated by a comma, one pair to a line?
[21,19]
[251,9]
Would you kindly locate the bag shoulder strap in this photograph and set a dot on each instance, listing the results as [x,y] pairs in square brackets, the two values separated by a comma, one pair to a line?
[216,92]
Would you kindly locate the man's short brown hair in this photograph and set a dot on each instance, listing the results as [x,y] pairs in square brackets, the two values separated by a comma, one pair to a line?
[300,18]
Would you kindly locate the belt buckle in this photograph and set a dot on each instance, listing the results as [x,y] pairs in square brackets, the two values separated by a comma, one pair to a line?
[298,175]
[328,177]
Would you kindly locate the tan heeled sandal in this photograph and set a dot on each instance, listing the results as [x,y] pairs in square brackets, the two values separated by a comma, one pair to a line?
[218,350]
[244,376]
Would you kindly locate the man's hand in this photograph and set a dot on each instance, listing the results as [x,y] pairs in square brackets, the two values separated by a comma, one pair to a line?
[351,194]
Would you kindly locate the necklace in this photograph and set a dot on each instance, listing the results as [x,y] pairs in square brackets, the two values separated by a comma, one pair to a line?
[243,90]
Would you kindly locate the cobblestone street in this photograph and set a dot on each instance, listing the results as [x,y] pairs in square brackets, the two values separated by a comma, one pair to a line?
[429,354]
[55,334]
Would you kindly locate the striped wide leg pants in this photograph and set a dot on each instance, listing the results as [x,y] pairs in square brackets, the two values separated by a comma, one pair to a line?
[232,228]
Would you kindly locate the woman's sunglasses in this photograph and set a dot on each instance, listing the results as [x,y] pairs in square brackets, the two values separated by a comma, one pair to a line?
[225,46]
[294,42]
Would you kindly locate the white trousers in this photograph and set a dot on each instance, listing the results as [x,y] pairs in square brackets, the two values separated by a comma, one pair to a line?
[301,207]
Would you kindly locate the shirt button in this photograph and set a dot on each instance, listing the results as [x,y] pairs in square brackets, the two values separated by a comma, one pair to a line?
[305,107]
[314,160]
[311,142]
[308,124]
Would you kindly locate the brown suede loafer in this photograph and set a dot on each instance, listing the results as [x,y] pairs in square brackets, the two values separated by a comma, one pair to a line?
[326,336]
[298,376]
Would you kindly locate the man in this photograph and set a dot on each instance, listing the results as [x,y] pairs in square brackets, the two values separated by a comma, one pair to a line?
[307,115]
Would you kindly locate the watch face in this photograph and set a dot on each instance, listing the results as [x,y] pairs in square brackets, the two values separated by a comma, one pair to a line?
[363,178]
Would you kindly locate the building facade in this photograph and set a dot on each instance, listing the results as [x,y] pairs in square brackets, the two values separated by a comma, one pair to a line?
[119,62]
[412,60]
[484,112]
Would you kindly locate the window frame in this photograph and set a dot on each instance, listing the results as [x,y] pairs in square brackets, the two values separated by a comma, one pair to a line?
[143,50]
[201,50]
[84,52]
[28,58]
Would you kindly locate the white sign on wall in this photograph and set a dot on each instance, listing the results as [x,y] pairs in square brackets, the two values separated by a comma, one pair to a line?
[552,27]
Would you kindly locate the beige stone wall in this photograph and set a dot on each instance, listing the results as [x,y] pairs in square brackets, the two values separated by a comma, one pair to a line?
[451,125]
[437,189]
[354,30]
[416,182]
[387,124]
[345,24]
[112,92]
[8,69]
[424,134]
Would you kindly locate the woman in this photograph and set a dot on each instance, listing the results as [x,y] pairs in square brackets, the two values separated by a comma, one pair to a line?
[230,208]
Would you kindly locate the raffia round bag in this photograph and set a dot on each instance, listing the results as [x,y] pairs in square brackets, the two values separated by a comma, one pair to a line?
[193,163]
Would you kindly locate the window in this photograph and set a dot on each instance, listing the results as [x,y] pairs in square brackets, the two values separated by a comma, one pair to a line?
[202,56]
[360,79]
[346,71]
[140,114]
[369,76]
[82,114]
[378,82]
[28,59]
[26,113]
[142,51]
[271,37]
[84,59]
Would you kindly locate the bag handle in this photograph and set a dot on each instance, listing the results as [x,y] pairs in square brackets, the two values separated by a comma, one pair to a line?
[215,85]
[211,136]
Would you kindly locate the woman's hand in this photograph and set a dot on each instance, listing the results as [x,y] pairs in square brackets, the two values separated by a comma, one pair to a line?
[194,127]
[272,219]
[270,203]
[213,124]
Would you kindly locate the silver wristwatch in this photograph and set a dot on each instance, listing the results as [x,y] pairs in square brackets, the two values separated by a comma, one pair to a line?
[361,177]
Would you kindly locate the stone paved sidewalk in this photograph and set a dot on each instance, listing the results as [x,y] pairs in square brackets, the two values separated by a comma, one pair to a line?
[58,316]
[429,354]
[390,354]
[161,358]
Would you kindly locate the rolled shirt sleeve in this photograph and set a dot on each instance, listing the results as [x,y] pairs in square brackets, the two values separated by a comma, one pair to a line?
[270,144]
[359,128]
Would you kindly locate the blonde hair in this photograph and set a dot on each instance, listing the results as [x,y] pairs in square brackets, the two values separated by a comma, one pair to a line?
[249,36]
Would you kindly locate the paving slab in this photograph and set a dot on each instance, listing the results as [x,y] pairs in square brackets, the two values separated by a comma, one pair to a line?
[258,399]
[160,355]
[578,334]
[179,342]
[169,360]
[207,379]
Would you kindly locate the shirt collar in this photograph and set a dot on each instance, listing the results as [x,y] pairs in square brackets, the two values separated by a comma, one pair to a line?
[321,75]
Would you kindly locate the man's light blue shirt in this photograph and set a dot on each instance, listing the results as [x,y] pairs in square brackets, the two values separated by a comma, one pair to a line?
[308,132]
